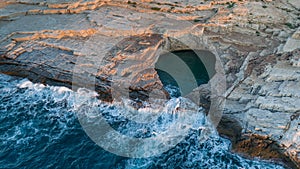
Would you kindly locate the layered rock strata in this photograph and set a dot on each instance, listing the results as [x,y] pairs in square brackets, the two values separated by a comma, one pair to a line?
[100,43]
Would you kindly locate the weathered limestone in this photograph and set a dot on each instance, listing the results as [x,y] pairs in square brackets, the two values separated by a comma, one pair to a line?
[292,42]
[101,43]
[295,3]
[271,108]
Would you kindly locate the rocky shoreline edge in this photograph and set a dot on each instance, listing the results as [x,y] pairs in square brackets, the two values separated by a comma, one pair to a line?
[257,42]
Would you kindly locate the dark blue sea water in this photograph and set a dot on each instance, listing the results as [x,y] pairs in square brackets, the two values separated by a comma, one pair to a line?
[39,128]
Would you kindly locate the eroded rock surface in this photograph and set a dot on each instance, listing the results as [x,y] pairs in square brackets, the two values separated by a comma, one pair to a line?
[267,104]
[102,43]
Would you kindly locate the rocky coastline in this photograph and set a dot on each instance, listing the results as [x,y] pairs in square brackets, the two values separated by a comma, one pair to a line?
[97,43]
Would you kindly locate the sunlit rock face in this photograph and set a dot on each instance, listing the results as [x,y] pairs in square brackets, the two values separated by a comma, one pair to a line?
[99,44]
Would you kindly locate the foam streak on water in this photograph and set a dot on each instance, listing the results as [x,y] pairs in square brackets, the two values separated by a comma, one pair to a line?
[39,129]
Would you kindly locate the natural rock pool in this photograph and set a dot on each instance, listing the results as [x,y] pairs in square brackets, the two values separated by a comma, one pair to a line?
[186,67]
[39,129]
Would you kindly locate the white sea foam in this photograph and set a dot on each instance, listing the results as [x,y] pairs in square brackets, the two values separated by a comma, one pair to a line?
[25,84]
[61,90]
[49,113]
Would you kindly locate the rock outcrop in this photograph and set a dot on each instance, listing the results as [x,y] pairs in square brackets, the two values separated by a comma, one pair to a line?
[266,103]
[292,43]
[99,44]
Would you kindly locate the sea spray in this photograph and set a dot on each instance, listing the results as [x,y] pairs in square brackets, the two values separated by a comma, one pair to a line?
[40,129]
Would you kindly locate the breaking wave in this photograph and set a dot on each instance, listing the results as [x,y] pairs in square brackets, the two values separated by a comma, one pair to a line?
[39,128]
